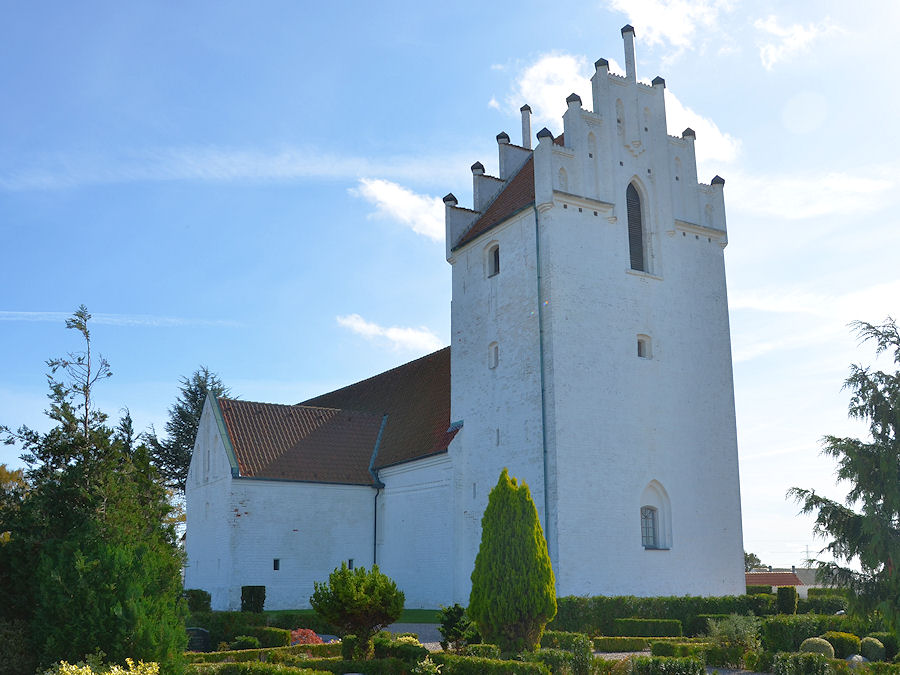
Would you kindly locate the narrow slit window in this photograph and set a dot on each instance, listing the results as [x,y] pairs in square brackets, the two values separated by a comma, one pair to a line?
[276,564]
[649,527]
[493,261]
[643,346]
[350,564]
[635,228]
[493,355]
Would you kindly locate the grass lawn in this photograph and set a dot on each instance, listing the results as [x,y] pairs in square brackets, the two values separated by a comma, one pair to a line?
[408,616]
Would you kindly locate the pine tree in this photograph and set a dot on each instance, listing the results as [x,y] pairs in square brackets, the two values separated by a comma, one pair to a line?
[513,588]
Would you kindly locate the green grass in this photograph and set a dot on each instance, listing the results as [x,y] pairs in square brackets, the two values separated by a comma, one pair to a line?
[408,616]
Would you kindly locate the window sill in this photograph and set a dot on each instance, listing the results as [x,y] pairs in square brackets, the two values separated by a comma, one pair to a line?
[655,548]
[645,275]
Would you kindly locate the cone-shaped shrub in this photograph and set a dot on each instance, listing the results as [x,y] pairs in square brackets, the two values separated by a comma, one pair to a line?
[513,589]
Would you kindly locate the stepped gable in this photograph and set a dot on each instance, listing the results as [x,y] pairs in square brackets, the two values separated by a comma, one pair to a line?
[416,399]
[301,443]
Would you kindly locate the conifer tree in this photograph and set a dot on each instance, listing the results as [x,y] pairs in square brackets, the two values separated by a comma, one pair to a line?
[513,588]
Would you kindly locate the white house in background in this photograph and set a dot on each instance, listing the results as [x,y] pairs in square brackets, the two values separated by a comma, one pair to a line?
[590,354]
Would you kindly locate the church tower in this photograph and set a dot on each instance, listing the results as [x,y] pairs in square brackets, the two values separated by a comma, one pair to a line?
[591,353]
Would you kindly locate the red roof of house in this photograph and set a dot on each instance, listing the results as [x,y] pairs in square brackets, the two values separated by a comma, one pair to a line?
[305,443]
[772,579]
[416,399]
[516,195]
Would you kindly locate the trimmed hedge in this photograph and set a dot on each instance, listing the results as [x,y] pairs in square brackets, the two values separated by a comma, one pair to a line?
[821,592]
[470,665]
[800,664]
[225,626]
[872,649]
[558,661]
[483,650]
[844,643]
[660,665]
[785,633]
[270,655]
[304,619]
[620,644]
[823,604]
[596,615]
[889,640]
[578,645]
[787,600]
[198,600]
[700,625]
[247,669]
[253,598]
[680,649]
[817,645]
[647,627]
[754,589]
[271,637]
[341,666]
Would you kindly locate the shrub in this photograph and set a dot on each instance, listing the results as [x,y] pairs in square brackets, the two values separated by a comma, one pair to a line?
[787,600]
[800,664]
[253,598]
[271,637]
[815,645]
[889,640]
[94,666]
[360,602]
[305,636]
[620,644]
[484,651]
[735,631]
[660,665]
[513,589]
[470,665]
[225,626]
[456,629]
[821,592]
[872,649]
[648,627]
[576,644]
[16,654]
[681,649]
[753,589]
[386,647]
[245,642]
[844,644]
[198,600]
[823,604]
[426,667]
[558,661]
[759,661]
[305,619]
[785,633]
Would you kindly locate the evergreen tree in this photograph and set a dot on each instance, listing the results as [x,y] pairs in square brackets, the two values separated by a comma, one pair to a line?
[513,589]
[89,563]
[172,456]
[870,536]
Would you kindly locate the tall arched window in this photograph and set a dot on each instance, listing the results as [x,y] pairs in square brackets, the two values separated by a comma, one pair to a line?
[656,517]
[635,228]
[493,260]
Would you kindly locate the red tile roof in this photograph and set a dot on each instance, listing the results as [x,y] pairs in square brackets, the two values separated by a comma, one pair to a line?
[772,579]
[516,195]
[303,443]
[416,398]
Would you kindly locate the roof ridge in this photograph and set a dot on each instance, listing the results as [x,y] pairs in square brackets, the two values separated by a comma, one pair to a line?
[506,184]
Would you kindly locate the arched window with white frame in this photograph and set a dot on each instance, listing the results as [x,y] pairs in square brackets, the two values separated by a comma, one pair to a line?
[656,518]
[492,260]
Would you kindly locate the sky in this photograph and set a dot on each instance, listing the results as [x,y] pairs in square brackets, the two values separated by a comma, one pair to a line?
[256,188]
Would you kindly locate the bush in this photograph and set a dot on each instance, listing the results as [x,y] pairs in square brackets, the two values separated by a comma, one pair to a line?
[484,651]
[823,604]
[785,633]
[253,598]
[753,589]
[16,654]
[844,644]
[872,649]
[823,592]
[620,644]
[759,661]
[889,640]
[558,661]
[360,602]
[513,589]
[815,645]
[198,600]
[735,631]
[470,665]
[271,637]
[337,666]
[576,644]
[456,629]
[681,649]
[225,626]
[787,600]
[660,665]
[800,664]
[302,619]
[411,653]
[648,627]
[245,642]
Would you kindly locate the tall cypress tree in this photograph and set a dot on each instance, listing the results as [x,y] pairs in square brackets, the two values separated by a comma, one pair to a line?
[513,589]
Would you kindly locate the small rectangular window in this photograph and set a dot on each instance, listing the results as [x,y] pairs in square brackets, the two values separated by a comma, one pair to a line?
[276,564]
[493,355]
[350,564]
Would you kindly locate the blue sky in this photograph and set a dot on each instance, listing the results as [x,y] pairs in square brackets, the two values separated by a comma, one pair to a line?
[256,187]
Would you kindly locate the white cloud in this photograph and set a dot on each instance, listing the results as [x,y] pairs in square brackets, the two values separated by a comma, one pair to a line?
[399,337]
[116,319]
[421,213]
[713,144]
[788,40]
[872,301]
[493,103]
[670,21]
[216,164]
[812,195]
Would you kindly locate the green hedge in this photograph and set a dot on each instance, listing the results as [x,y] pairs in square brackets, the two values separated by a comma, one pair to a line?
[225,626]
[596,615]
[271,655]
[620,644]
[754,589]
[680,649]
[271,637]
[800,664]
[889,640]
[844,643]
[248,669]
[253,598]
[647,627]
[785,633]
[341,666]
[198,600]
[660,665]
[821,592]
[786,602]
[471,665]
[823,604]
[302,619]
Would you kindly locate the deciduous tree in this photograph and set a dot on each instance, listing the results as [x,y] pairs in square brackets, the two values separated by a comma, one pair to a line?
[513,588]
[866,528]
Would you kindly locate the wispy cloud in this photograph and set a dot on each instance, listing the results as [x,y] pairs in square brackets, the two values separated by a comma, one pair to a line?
[217,164]
[784,41]
[117,319]
[399,337]
[672,22]
[813,195]
[713,144]
[872,301]
[423,214]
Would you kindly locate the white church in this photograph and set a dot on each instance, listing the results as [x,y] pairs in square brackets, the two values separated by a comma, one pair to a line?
[590,354]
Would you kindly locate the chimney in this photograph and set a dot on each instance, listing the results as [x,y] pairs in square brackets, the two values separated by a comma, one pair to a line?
[526,126]
[628,36]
